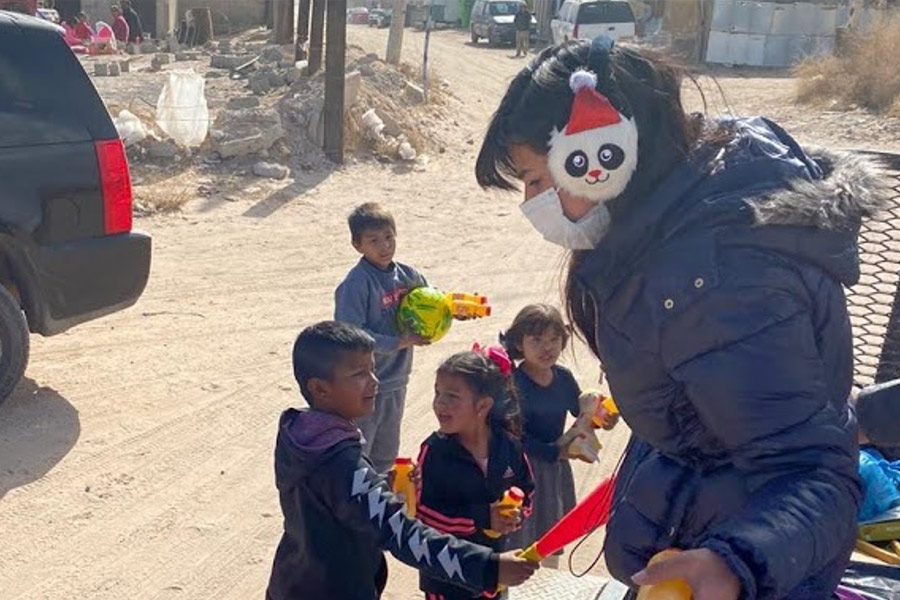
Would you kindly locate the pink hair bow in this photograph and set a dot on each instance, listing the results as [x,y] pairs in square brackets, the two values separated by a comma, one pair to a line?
[496,354]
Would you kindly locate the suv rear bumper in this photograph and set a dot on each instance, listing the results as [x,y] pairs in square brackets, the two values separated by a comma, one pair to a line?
[74,282]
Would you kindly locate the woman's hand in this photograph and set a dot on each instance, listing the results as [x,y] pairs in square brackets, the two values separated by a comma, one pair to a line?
[707,574]
[505,519]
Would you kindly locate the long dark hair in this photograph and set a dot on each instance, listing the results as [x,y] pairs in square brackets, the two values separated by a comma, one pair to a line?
[484,378]
[639,82]
[534,319]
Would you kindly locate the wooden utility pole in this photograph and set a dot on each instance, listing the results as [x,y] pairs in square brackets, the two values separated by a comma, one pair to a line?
[302,30]
[335,58]
[395,37]
[203,25]
[284,22]
[316,35]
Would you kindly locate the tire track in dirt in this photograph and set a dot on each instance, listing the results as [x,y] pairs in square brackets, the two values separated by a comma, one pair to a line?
[190,533]
[149,453]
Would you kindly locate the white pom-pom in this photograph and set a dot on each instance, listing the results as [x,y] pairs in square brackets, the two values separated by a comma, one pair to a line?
[582,79]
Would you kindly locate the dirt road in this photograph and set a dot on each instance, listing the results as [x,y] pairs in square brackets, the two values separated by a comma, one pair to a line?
[135,461]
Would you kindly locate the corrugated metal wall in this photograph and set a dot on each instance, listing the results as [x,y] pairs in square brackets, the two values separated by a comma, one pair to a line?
[771,34]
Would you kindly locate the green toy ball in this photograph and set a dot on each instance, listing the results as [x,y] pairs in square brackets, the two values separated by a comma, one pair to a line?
[425,312]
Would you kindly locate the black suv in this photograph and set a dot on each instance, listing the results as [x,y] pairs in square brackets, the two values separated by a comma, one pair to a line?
[67,252]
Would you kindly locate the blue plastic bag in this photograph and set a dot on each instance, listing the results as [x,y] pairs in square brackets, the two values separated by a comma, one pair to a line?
[881,480]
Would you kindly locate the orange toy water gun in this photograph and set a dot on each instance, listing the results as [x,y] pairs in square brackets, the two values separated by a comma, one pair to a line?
[512,499]
[468,306]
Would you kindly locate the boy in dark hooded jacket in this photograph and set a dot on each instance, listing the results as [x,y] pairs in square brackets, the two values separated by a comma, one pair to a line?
[339,515]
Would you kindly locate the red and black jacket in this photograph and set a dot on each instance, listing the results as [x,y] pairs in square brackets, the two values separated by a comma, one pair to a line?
[455,494]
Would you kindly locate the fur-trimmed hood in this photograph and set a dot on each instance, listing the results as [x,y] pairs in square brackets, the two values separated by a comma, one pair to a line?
[852,188]
[762,187]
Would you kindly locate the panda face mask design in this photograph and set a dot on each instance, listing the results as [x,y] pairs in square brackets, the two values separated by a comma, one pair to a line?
[595,155]
[593,158]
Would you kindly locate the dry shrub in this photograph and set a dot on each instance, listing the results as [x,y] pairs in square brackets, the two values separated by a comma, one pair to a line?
[150,200]
[866,75]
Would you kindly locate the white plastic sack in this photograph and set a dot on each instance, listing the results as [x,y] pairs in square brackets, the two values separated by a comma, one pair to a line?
[372,124]
[406,151]
[130,128]
[181,111]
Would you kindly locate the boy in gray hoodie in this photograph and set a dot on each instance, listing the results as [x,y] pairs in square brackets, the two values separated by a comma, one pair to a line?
[368,298]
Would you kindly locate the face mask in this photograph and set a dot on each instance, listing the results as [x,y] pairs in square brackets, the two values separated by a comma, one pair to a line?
[545,213]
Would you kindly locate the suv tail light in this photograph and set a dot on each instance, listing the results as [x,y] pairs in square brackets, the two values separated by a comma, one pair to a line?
[115,181]
[575,33]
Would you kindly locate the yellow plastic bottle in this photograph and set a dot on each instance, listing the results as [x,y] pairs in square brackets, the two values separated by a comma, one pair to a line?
[512,499]
[677,589]
[403,484]
[606,408]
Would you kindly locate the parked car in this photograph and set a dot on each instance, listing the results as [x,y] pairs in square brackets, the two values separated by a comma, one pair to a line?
[586,19]
[493,20]
[358,15]
[67,250]
[380,17]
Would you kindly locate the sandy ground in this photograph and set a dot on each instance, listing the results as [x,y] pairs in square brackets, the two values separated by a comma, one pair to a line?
[136,458]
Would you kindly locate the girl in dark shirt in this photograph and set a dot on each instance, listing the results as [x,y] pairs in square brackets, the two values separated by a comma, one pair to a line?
[547,391]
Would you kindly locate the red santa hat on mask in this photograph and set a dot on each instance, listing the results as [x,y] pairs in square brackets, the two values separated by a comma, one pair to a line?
[591,109]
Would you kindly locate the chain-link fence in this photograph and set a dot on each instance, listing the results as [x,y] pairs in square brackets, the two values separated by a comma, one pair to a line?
[874,302]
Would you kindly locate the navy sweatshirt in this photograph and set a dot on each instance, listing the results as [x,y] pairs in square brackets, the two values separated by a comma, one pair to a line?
[544,411]
[368,297]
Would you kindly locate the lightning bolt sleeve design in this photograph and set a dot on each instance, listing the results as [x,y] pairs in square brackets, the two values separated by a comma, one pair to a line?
[361,500]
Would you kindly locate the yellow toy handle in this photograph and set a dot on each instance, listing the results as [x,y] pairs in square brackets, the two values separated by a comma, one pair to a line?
[531,553]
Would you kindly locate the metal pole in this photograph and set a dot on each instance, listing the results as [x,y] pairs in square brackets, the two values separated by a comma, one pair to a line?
[425,57]
[316,33]
[335,59]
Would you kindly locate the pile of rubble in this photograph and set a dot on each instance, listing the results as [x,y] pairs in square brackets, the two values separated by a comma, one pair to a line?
[277,123]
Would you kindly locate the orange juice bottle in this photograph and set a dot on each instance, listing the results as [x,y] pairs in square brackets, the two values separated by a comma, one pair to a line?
[403,484]
[512,499]
[677,589]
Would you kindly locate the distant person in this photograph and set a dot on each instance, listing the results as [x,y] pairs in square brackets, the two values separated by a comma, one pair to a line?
[83,30]
[119,25]
[523,30]
[135,27]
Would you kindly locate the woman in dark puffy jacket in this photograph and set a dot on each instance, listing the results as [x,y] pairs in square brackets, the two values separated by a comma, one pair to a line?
[709,259]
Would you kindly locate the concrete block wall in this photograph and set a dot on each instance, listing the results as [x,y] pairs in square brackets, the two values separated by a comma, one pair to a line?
[240,13]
